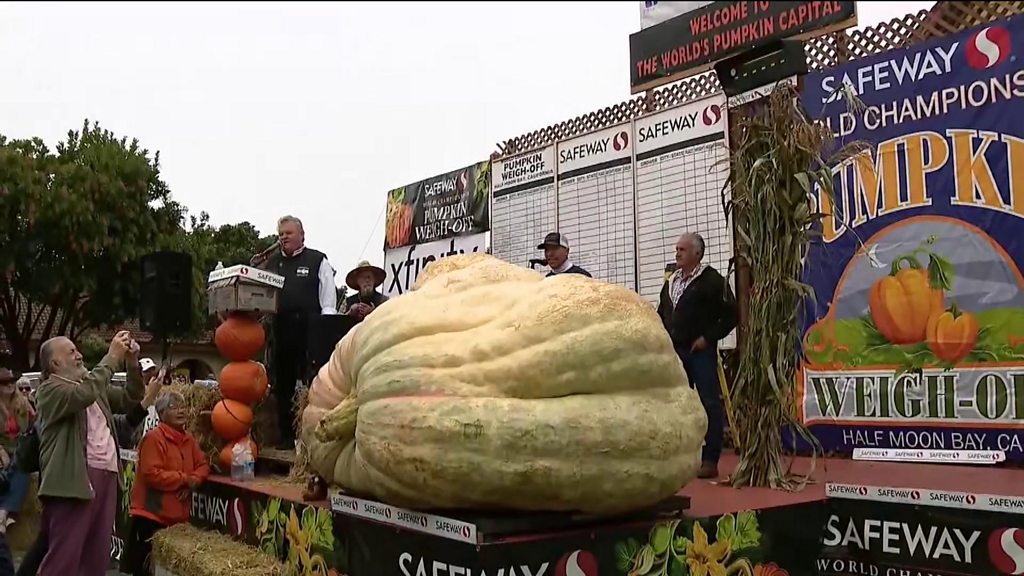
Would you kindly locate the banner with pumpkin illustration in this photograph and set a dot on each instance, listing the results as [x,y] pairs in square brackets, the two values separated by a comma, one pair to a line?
[915,339]
[453,204]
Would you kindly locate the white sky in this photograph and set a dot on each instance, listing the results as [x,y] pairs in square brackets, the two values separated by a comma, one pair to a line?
[315,109]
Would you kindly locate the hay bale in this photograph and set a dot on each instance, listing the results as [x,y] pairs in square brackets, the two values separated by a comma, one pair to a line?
[300,467]
[188,551]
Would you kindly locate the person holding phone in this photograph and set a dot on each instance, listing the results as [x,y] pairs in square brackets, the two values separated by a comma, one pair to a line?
[79,472]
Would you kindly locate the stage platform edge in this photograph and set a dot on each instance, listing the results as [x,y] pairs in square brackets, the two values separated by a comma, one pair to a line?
[838,525]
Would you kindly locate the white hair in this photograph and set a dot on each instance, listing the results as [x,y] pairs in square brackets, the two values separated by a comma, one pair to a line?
[292,219]
[164,401]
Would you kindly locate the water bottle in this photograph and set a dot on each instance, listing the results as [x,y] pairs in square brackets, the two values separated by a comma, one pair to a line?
[248,462]
[238,461]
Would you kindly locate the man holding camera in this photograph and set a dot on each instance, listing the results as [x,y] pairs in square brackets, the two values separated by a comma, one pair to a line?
[79,459]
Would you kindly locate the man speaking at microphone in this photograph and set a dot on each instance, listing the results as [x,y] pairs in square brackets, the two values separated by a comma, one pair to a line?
[308,291]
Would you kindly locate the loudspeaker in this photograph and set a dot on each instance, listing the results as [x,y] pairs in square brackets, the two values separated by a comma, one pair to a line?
[762,66]
[165,305]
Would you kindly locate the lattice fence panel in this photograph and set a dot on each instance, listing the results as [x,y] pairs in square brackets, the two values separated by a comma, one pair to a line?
[822,53]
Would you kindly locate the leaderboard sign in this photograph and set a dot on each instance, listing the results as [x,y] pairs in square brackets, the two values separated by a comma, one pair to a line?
[694,41]
[622,195]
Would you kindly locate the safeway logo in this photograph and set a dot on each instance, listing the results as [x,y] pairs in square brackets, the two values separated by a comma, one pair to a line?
[712,115]
[237,518]
[577,563]
[1006,550]
[897,494]
[840,490]
[989,47]
[620,142]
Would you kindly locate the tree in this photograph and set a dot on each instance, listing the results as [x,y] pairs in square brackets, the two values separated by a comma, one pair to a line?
[229,244]
[72,227]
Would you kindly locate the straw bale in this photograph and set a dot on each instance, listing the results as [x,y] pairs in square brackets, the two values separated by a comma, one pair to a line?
[185,550]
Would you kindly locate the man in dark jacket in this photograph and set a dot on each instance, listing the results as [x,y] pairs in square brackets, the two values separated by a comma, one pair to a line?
[309,290]
[556,252]
[698,309]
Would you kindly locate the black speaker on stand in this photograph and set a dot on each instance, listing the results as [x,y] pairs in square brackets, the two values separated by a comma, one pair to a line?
[165,304]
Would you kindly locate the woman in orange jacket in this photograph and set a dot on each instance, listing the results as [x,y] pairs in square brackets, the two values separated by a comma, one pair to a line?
[170,467]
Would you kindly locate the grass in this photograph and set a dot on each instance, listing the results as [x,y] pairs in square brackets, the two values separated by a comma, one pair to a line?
[859,344]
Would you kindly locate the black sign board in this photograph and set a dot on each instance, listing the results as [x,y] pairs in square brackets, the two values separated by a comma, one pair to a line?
[692,42]
[776,542]
[883,538]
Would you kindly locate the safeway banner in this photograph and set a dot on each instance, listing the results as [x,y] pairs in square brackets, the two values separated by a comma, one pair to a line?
[879,539]
[456,203]
[916,339]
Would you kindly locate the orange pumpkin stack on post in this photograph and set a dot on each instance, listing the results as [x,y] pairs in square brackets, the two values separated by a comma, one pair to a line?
[242,382]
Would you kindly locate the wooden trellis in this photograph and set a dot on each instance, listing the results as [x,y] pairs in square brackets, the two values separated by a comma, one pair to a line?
[822,53]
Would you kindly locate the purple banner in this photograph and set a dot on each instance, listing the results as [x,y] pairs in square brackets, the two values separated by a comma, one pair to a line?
[916,339]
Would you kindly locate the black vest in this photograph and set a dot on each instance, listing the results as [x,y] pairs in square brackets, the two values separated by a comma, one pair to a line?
[301,292]
[376,299]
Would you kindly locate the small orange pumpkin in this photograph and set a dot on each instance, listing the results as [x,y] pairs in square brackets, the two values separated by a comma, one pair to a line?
[952,334]
[243,381]
[239,338]
[231,419]
[225,452]
[902,303]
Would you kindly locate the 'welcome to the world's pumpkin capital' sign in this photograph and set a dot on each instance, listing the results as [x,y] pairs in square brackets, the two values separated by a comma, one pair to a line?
[916,339]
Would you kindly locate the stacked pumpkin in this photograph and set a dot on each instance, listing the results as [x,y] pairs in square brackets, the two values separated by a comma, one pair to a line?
[242,382]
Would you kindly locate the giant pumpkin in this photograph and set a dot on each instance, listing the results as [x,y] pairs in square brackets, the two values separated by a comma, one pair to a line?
[489,386]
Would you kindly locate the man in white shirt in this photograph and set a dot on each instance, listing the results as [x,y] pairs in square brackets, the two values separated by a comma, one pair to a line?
[309,290]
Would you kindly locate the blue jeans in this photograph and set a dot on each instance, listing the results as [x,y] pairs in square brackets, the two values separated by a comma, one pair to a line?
[702,371]
[17,489]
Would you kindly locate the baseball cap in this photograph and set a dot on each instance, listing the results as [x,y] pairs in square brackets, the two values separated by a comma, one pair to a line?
[147,364]
[554,239]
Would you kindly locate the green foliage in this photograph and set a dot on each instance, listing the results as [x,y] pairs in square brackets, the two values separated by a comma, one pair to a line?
[777,166]
[93,349]
[74,223]
[229,244]
[72,226]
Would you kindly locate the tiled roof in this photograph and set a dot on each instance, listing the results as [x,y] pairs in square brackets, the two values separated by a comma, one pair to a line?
[104,333]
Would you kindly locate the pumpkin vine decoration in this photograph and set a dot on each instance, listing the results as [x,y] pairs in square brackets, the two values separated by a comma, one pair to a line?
[778,163]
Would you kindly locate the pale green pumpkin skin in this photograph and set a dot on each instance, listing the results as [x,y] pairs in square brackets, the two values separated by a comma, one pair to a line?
[492,387]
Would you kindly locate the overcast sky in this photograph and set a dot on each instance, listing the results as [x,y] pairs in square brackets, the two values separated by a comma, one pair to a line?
[315,109]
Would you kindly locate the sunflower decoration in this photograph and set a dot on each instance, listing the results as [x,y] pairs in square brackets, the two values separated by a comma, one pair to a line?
[398,221]
[676,548]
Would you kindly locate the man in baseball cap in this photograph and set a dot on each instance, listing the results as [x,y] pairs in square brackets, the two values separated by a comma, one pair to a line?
[556,251]
[146,364]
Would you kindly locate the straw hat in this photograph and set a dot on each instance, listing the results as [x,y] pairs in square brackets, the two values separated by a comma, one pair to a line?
[378,275]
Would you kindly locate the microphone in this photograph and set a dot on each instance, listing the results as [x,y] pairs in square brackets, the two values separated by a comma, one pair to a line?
[264,254]
[538,262]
